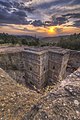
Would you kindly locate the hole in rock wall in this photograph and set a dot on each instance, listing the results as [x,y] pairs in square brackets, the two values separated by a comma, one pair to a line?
[30,68]
[44,69]
[53,67]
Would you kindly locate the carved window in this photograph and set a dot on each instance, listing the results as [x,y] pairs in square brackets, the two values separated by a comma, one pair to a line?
[30,68]
[44,69]
[53,67]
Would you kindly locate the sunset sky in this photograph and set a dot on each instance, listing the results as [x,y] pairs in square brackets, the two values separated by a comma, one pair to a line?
[40,17]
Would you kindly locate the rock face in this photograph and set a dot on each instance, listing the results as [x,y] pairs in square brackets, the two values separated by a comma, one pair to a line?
[35,66]
[18,102]
[39,67]
[58,59]
[60,104]
[15,99]
[74,61]
[13,64]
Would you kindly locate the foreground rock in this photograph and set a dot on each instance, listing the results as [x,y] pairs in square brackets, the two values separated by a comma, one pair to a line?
[60,104]
[20,103]
[15,99]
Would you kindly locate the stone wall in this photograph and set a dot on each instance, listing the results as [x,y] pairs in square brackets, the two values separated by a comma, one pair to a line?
[57,65]
[13,64]
[39,66]
[32,71]
[45,66]
[35,66]
[74,61]
[36,72]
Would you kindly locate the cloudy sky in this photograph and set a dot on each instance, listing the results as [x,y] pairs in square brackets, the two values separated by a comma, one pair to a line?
[40,17]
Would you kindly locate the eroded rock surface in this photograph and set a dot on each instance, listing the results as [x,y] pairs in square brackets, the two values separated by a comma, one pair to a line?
[17,102]
[15,99]
[60,104]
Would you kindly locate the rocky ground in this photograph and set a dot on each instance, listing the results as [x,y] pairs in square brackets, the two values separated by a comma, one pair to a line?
[7,49]
[61,104]
[15,99]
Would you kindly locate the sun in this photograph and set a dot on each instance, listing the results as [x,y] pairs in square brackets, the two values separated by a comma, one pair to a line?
[51,30]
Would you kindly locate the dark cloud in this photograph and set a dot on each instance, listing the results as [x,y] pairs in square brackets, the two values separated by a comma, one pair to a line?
[18,16]
[37,23]
[13,17]
[56,21]
[76,23]
[53,12]
[6,4]
[20,13]
[17,5]
[75,2]
[29,9]
[46,5]
[21,6]
[61,20]
[72,15]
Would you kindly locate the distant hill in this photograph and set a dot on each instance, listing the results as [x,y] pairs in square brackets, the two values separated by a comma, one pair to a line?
[25,36]
[52,39]
[65,41]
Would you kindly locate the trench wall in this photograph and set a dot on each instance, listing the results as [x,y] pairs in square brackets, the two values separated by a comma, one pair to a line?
[74,61]
[13,64]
